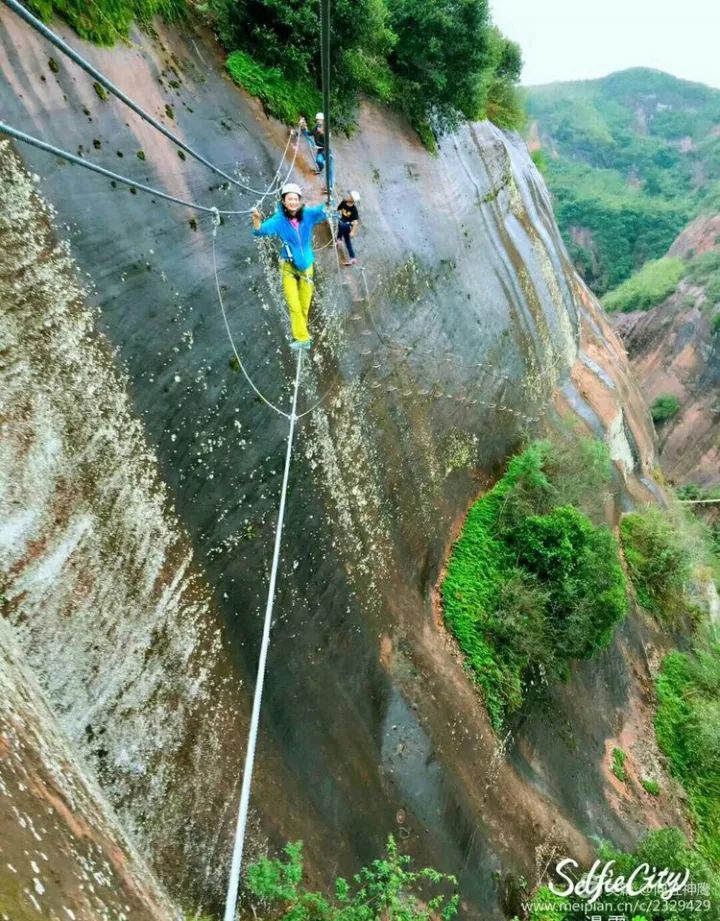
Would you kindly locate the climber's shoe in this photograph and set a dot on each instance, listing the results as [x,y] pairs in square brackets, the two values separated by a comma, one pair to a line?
[350,262]
[304,344]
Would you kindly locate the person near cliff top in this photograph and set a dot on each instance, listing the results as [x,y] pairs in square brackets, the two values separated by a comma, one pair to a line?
[293,223]
[317,138]
[348,223]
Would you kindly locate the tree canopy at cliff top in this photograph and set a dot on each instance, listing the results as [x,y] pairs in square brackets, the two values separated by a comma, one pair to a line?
[439,61]
[630,159]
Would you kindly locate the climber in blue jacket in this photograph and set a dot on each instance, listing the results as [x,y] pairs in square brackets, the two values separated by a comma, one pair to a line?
[293,223]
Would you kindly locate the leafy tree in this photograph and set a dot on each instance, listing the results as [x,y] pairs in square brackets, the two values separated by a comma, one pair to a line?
[451,63]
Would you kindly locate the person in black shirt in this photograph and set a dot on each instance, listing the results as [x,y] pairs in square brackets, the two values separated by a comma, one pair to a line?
[348,223]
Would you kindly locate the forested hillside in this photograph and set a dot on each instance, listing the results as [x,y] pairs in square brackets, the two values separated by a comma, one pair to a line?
[630,159]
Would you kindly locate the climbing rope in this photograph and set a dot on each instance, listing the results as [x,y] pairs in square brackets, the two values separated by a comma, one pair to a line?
[241,828]
[62,46]
[325,69]
[116,177]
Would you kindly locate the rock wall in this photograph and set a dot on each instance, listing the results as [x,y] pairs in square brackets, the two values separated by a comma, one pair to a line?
[64,854]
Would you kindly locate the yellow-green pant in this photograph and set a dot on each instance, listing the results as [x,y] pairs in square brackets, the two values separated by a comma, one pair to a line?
[298,289]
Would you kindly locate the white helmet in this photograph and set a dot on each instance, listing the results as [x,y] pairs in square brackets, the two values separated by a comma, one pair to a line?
[291,187]
[355,197]
[320,117]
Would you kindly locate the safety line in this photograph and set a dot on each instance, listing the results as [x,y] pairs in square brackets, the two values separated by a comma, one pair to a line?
[325,70]
[241,828]
[229,331]
[72,158]
[47,33]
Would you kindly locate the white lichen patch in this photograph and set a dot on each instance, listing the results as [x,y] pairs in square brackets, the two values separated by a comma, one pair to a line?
[83,838]
[97,576]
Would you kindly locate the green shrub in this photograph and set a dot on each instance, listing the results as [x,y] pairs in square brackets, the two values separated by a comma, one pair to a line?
[687,725]
[388,888]
[651,786]
[704,267]
[712,289]
[665,407]
[658,561]
[106,21]
[650,286]
[285,99]
[539,158]
[532,583]
[618,764]
[715,324]
[440,61]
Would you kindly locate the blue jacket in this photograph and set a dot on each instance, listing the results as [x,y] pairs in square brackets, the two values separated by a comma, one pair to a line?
[297,241]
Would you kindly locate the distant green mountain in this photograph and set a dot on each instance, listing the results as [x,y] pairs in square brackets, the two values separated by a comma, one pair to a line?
[630,159]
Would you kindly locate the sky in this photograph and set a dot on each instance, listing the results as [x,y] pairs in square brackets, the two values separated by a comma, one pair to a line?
[583,39]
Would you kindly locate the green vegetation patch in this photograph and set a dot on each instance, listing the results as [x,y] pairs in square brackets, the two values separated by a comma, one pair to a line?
[687,726]
[107,21]
[618,764]
[388,888]
[283,98]
[648,287]
[533,583]
[651,786]
[664,408]
[658,560]
[439,61]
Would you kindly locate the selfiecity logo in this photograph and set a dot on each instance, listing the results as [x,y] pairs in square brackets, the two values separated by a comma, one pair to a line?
[600,880]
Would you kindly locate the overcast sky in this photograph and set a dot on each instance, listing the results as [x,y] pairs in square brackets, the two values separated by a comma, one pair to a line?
[581,39]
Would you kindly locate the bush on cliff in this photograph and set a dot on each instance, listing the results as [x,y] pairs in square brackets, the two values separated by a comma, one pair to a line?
[665,407]
[107,21]
[658,560]
[532,583]
[282,98]
[388,888]
[687,725]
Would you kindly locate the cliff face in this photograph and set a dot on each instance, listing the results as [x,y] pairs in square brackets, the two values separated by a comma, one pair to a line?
[64,854]
[675,349]
[138,604]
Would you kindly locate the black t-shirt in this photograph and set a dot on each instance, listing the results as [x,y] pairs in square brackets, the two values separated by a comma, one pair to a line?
[348,212]
[319,137]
